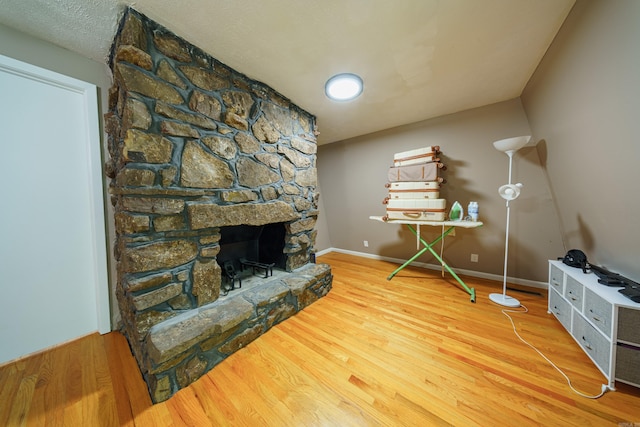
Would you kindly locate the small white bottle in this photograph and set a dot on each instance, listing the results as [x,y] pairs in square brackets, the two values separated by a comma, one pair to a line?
[472,210]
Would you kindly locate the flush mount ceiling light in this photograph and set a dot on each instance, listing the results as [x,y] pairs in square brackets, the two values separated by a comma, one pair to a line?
[343,87]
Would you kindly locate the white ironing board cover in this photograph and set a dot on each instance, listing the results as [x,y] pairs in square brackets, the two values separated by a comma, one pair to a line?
[463,224]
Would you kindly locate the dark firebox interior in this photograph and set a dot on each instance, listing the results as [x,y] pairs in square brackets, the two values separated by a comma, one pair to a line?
[242,247]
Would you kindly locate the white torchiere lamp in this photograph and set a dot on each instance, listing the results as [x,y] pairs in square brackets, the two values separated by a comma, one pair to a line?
[508,192]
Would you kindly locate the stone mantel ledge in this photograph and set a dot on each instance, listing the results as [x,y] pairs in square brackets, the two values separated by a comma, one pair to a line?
[207,215]
[152,191]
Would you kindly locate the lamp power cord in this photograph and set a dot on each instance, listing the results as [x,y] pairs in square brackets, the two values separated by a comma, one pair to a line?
[604,387]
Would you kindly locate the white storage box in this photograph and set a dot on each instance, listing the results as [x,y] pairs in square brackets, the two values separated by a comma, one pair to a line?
[417,209]
[419,155]
[414,190]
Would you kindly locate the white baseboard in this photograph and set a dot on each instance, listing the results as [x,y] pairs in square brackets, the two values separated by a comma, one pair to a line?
[471,273]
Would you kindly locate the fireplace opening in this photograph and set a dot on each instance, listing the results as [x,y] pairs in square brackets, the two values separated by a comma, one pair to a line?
[248,251]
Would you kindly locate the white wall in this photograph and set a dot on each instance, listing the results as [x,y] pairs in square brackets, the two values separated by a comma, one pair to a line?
[38,52]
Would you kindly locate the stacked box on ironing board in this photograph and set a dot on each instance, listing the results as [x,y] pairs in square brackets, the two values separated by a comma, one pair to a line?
[414,186]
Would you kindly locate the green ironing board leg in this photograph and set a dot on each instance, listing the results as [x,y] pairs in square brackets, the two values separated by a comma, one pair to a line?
[413,258]
[427,247]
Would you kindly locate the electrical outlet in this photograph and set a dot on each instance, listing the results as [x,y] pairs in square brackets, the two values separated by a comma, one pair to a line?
[366,243]
[474,257]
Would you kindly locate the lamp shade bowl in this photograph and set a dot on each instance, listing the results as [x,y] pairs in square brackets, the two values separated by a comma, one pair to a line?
[512,144]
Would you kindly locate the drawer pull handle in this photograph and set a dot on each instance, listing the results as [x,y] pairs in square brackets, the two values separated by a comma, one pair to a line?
[595,316]
[586,344]
[574,298]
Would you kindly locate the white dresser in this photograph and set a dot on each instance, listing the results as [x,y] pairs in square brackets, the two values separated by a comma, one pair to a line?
[604,322]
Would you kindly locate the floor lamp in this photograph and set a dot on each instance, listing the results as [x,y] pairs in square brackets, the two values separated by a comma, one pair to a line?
[508,192]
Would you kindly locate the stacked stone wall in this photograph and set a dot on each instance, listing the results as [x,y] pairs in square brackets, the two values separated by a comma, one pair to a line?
[195,146]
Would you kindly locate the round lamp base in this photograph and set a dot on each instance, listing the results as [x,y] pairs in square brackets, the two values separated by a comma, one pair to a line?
[505,300]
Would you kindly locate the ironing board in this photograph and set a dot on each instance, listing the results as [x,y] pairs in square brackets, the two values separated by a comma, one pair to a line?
[447,227]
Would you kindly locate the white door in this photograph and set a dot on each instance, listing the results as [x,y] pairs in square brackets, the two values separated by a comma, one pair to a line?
[53,268]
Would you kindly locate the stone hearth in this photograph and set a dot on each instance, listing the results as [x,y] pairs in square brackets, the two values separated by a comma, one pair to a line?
[194,147]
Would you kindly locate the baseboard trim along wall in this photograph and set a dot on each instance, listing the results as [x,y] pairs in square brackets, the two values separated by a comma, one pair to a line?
[471,273]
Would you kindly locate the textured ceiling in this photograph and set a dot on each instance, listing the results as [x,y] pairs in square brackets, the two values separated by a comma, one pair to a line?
[419,58]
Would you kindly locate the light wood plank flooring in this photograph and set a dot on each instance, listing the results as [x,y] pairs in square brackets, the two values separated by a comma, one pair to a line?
[405,352]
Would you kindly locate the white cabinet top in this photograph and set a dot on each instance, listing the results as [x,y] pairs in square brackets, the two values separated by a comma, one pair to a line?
[590,281]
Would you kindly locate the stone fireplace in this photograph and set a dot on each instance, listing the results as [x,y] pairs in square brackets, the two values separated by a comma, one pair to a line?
[213,183]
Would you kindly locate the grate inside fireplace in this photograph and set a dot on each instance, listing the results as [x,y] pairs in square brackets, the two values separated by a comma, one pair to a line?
[248,251]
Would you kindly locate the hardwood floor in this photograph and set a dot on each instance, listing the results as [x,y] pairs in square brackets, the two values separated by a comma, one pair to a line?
[410,351]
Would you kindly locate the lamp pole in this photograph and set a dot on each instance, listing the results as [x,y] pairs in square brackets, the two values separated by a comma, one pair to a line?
[503,298]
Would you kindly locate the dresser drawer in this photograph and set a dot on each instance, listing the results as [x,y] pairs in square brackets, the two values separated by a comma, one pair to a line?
[604,324]
[598,311]
[556,279]
[560,308]
[629,325]
[628,363]
[592,342]
[573,292]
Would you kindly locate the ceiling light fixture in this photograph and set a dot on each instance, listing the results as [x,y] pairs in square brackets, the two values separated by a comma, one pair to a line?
[343,87]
